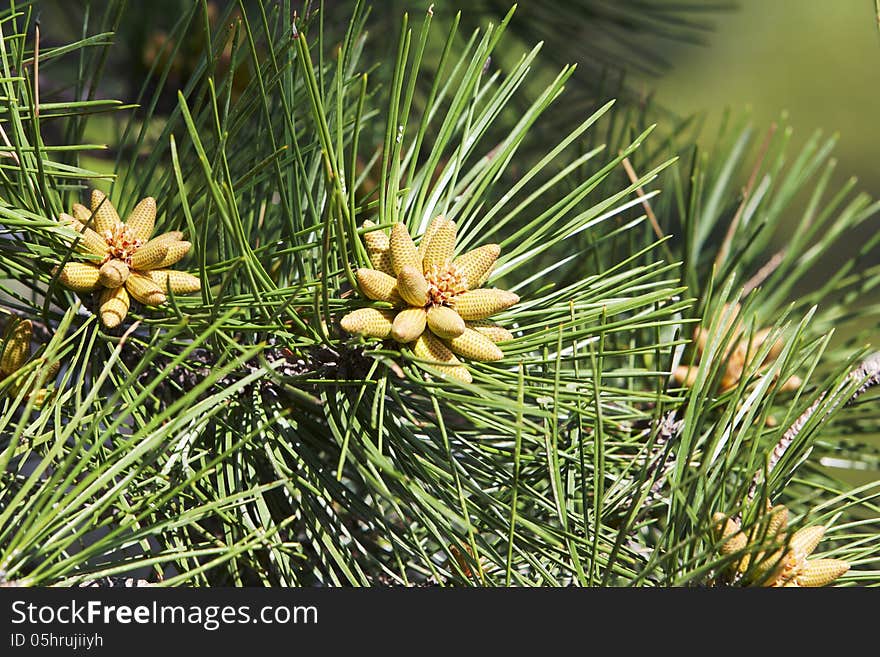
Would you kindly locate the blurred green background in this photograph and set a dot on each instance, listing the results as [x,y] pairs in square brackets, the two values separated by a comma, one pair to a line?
[818,60]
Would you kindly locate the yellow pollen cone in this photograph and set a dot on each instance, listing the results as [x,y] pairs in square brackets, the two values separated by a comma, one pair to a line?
[378,285]
[142,219]
[150,255]
[778,521]
[177,249]
[409,324]
[80,276]
[441,246]
[403,250]
[444,322]
[480,304]
[106,218]
[476,265]
[379,249]
[805,540]
[178,282]
[83,215]
[439,358]
[495,332]
[18,346]
[435,224]
[412,286]
[819,572]
[113,273]
[370,322]
[144,289]
[475,346]
[791,384]
[89,240]
[114,306]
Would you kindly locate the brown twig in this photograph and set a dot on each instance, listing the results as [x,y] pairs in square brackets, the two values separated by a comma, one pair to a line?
[747,193]
[763,273]
[631,173]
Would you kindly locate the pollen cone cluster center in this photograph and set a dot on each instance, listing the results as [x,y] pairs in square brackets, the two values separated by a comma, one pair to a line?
[438,306]
[738,356]
[783,566]
[127,263]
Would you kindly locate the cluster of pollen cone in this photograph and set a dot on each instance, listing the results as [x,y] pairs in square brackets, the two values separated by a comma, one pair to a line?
[127,262]
[786,566]
[738,355]
[16,350]
[438,306]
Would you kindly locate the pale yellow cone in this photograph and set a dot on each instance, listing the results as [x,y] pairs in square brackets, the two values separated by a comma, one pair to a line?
[805,540]
[409,324]
[684,375]
[791,384]
[178,282]
[177,249]
[114,306]
[89,240]
[412,286]
[142,219]
[819,572]
[480,304]
[106,218]
[113,273]
[150,256]
[444,322]
[80,276]
[778,521]
[369,322]
[403,250]
[144,289]
[439,358]
[475,346]
[476,265]
[378,285]
[441,246]
[17,347]
[435,223]
[82,214]
[39,397]
[379,249]
[495,332]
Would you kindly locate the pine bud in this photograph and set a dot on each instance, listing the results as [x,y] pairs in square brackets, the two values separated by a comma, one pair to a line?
[144,289]
[150,256]
[409,324]
[403,250]
[412,286]
[378,285]
[444,322]
[106,218]
[369,322]
[142,219]
[439,358]
[475,346]
[114,304]
[113,273]
[480,304]
[80,276]
[441,244]
[476,265]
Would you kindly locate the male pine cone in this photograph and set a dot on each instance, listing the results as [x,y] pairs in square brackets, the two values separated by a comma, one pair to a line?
[129,263]
[438,306]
